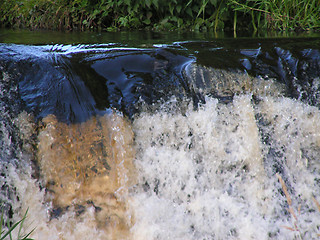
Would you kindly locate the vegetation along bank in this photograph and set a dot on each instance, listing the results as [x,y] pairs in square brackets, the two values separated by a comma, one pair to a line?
[205,15]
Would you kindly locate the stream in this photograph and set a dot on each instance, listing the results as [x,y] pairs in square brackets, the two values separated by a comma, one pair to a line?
[160,135]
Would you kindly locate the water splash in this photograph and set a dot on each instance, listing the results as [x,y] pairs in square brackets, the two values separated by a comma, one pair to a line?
[209,174]
[206,159]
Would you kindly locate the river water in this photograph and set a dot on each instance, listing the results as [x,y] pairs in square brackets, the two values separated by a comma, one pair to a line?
[160,135]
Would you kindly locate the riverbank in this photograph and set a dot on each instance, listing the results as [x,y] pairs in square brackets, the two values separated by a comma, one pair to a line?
[205,15]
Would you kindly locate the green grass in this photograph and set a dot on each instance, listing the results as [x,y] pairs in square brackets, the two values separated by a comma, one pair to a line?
[7,234]
[205,15]
[280,14]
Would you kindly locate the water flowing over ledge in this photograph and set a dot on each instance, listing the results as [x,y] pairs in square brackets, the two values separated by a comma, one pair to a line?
[190,140]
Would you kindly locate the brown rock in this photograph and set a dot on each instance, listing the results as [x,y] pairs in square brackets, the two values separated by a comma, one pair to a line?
[89,162]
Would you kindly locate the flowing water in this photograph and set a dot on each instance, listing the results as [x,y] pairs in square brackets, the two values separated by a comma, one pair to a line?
[160,136]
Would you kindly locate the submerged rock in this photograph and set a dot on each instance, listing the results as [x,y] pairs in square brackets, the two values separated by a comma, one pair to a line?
[224,84]
[89,163]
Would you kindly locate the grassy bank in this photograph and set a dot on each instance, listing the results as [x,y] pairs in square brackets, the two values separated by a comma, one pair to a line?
[206,15]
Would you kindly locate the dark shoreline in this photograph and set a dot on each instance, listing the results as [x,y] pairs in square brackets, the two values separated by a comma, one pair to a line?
[205,16]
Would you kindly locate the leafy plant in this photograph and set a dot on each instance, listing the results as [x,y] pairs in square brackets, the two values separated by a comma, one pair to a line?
[8,233]
[280,14]
[161,14]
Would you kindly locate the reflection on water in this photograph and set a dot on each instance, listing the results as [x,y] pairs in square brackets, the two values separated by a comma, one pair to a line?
[166,141]
[74,86]
[132,38]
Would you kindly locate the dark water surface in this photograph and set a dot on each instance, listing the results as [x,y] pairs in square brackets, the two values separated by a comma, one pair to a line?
[74,75]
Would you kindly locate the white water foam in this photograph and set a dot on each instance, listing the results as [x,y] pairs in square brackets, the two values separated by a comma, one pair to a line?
[18,176]
[208,173]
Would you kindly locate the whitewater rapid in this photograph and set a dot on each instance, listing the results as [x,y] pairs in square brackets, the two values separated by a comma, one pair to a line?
[223,156]
[208,173]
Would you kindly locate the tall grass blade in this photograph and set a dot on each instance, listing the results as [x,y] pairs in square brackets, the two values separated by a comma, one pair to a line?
[20,228]
[10,229]
[8,233]
[1,222]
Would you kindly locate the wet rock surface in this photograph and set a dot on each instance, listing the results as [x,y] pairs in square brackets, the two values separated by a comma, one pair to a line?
[89,163]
